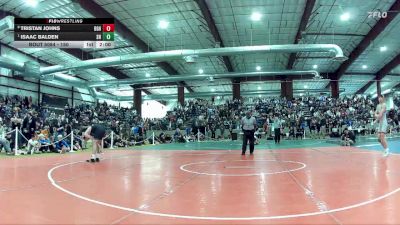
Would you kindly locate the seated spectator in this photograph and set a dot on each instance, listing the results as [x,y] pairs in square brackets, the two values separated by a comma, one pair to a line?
[348,138]
[188,130]
[178,137]
[168,138]
[189,138]
[59,131]
[258,133]
[335,132]
[292,134]
[34,144]
[4,143]
[256,140]
[45,131]
[299,132]
[61,145]
[45,144]
[135,130]
[161,138]
[118,141]
[77,143]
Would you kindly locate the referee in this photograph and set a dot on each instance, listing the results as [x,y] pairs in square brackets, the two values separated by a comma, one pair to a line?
[249,126]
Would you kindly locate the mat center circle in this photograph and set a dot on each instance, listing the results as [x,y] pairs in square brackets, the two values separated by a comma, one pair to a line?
[242,167]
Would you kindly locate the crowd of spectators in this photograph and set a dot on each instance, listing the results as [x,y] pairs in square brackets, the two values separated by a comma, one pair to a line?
[317,117]
[46,129]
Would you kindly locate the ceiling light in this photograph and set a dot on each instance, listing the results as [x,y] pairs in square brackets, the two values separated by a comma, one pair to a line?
[383,48]
[305,86]
[31,3]
[259,88]
[315,66]
[147,75]
[256,16]
[259,96]
[163,24]
[201,71]
[212,89]
[190,58]
[102,79]
[258,68]
[364,66]
[345,16]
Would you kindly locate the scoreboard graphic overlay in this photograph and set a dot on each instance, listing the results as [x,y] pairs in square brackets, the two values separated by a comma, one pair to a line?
[64,33]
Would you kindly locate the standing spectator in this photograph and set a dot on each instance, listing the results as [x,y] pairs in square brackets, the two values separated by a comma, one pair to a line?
[222,127]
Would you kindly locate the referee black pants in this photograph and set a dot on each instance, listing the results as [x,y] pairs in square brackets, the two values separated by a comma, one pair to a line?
[277,135]
[248,136]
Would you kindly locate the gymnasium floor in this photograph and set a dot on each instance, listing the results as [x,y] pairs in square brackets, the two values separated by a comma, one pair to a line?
[296,182]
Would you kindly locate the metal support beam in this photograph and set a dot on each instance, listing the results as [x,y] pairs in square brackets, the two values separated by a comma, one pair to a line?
[214,30]
[302,27]
[274,78]
[382,73]
[137,100]
[365,87]
[162,84]
[283,89]
[236,89]
[39,93]
[181,95]
[96,10]
[72,97]
[150,85]
[378,28]
[287,89]
[146,91]
[378,87]
[388,67]
[396,87]
[334,88]
[333,34]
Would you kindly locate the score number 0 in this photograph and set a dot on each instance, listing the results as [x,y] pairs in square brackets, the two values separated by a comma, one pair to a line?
[108,27]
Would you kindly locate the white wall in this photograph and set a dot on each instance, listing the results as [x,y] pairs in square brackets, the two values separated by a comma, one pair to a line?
[153,109]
